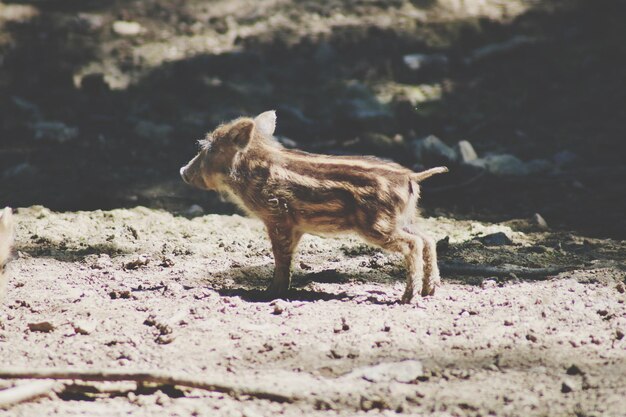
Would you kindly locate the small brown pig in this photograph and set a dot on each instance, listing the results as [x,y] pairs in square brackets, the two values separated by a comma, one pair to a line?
[295,192]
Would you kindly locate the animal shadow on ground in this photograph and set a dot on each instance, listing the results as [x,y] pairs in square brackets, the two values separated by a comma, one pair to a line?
[260,276]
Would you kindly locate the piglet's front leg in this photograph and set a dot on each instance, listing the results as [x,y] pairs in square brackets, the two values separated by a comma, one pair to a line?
[284,241]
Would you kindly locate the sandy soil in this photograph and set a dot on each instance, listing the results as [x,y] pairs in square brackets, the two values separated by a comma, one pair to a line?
[141,289]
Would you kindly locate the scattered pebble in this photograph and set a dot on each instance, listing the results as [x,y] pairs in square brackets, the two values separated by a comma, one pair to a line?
[488,283]
[83,327]
[139,261]
[465,152]
[531,337]
[574,370]
[279,306]
[120,294]
[416,62]
[43,326]
[53,131]
[540,221]
[567,387]
[496,239]
[194,210]
[126,28]
[404,372]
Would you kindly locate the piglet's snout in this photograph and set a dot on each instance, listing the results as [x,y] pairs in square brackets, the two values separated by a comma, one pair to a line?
[183,174]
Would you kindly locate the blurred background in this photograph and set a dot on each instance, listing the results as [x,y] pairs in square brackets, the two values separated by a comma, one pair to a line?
[525,100]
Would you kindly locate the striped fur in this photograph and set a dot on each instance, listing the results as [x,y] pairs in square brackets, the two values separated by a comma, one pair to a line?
[295,192]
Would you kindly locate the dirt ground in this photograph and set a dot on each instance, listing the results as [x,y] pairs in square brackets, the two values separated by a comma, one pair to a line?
[141,289]
[102,101]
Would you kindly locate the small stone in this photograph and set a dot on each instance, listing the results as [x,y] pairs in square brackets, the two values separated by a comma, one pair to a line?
[23,169]
[44,327]
[574,370]
[564,159]
[194,210]
[120,294]
[57,132]
[83,327]
[620,288]
[465,152]
[158,132]
[417,62]
[126,28]
[619,334]
[433,150]
[139,261]
[567,387]
[102,261]
[538,166]
[531,338]
[286,142]
[403,372]
[504,164]
[498,48]
[279,307]
[540,222]
[508,323]
[488,283]
[495,239]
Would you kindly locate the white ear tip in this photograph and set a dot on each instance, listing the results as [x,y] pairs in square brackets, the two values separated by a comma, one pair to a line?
[266,122]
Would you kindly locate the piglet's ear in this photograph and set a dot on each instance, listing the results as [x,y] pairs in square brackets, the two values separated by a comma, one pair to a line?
[242,133]
[266,123]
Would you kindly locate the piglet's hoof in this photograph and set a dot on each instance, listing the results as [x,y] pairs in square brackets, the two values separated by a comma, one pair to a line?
[406,298]
[275,291]
[427,290]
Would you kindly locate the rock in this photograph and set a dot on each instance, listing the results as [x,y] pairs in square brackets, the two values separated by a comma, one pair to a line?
[26,106]
[489,283]
[432,150]
[465,152]
[127,28]
[490,50]
[504,164]
[361,110]
[286,142]
[404,372]
[540,222]
[324,53]
[279,306]
[194,210]
[154,131]
[564,159]
[568,385]
[139,261]
[417,62]
[101,261]
[539,166]
[443,244]
[83,327]
[20,170]
[495,239]
[54,131]
[574,370]
[44,327]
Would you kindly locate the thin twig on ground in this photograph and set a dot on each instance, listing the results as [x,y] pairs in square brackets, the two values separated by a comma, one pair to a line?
[537,274]
[234,390]
[24,392]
